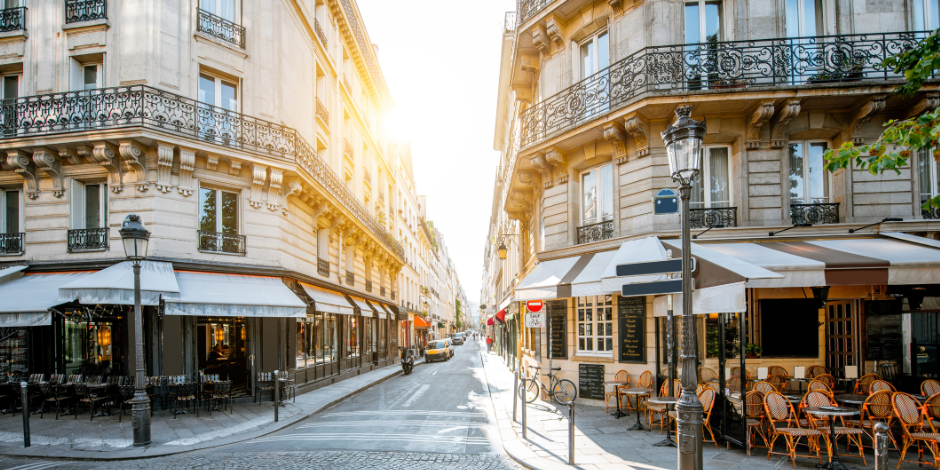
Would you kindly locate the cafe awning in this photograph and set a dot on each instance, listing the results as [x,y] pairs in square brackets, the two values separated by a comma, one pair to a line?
[378,310]
[11,273]
[27,300]
[421,323]
[588,280]
[115,285]
[328,301]
[542,282]
[233,295]
[489,321]
[633,251]
[365,308]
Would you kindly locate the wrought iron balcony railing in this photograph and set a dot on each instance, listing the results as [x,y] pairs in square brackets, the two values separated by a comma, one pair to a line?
[368,285]
[85,10]
[322,112]
[347,85]
[319,32]
[350,278]
[221,28]
[716,66]
[528,8]
[91,239]
[12,19]
[596,232]
[382,291]
[714,217]
[323,267]
[510,24]
[931,213]
[12,243]
[143,106]
[393,295]
[217,242]
[816,213]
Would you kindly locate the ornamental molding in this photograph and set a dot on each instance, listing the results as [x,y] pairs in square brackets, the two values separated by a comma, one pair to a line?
[615,134]
[544,168]
[134,157]
[212,162]
[187,164]
[929,102]
[757,119]
[235,167]
[22,163]
[864,114]
[106,155]
[70,155]
[47,161]
[540,38]
[367,65]
[786,114]
[259,176]
[554,32]
[556,157]
[275,178]
[164,166]
[637,128]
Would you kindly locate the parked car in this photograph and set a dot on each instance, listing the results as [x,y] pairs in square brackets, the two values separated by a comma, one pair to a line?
[458,338]
[439,349]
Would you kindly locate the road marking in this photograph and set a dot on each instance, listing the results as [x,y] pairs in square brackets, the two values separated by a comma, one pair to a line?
[401,412]
[374,438]
[407,422]
[35,466]
[416,395]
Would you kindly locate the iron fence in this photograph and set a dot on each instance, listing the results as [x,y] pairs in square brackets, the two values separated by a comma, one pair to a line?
[12,243]
[713,217]
[221,28]
[91,239]
[815,213]
[931,213]
[12,19]
[218,242]
[596,232]
[528,8]
[85,10]
[322,112]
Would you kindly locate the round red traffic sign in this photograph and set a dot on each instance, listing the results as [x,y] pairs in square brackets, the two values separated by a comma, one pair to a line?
[534,306]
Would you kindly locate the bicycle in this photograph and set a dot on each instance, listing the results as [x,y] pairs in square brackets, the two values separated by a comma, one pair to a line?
[562,391]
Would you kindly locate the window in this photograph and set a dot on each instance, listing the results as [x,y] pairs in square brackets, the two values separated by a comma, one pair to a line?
[712,189]
[595,54]
[218,222]
[926,15]
[11,87]
[929,175]
[702,21]
[11,3]
[595,324]
[85,76]
[597,195]
[809,182]
[352,338]
[805,18]
[215,91]
[221,8]
[89,205]
[9,211]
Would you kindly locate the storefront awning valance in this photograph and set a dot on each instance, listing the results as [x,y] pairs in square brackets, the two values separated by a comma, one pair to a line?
[386,312]
[11,273]
[489,321]
[365,309]
[588,281]
[27,300]
[421,323]
[727,298]
[327,301]
[115,285]
[379,311]
[542,282]
[233,295]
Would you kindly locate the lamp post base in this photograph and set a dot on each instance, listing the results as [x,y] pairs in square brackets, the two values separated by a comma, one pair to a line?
[140,411]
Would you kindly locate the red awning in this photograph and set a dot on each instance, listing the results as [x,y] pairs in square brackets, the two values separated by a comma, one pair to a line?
[489,322]
[501,316]
[421,323]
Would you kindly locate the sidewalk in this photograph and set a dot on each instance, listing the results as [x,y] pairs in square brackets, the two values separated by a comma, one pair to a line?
[106,438]
[603,442]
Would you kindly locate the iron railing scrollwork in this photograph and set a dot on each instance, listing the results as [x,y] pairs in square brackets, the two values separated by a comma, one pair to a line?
[221,28]
[12,243]
[716,66]
[509,26]
[350,278]
[12,19]
[218,242]
[382,291]
[323,267]
[596,232]
[322,112]
[319,32]
[143,106]
[931,213]
[528,8]
[393,295]
[714,217]
[91,239]
[85,10]
[816,213]
[368,285]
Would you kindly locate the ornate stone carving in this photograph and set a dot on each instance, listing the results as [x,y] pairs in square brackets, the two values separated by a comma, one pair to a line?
[786,114]
[85,152]
[259,176]
[107,156]
[761,115]
[635,126]
[164,166]
[927,103]
[212,162]
[69,155]
[540,38]
[294,190]
[617,138]
[545,169]
[275,177]
[187,163]
[321,212]
[556,158]
[554,32]
[235,167]
[864,114]
[24,166]
[47,160]
[134,157]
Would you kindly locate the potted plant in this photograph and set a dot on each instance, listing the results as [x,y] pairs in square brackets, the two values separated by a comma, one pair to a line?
[752,350]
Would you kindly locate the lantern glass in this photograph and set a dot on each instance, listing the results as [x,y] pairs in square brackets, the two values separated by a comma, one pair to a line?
[683,140]
[135,238]
[502,251]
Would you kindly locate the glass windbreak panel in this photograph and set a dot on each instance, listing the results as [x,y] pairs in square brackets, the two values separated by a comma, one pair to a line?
[606,202]
[330,338]
[11,87]
[589,200]
[587,59]
[229,97]
[353,338]
[229,212]
[12,212]
[796,173]
[693,29]
[93,206]
[718,189]
[207,90]
[207,210]
[818,189]
[303,344]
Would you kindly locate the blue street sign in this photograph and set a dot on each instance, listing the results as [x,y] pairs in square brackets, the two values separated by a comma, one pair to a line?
[672,286]
[666,266]
[666,201]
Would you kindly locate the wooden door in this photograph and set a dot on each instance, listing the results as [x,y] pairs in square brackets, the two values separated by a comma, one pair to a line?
[841,336]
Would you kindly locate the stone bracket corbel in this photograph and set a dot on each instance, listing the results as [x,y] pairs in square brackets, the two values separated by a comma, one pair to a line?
[864,114]
[235,167]
[275,178]
[555,157]
[540,38]
[187,164]
[781,132]
[616,6]
[294,190]
[107,156]
[321,210]
[48,162]
[134,157]
[755,121]
[618,138]
[259,176]
[212,162]
[554,32]
[24,166]
[636,127]
[929,102]
[164,166]
[545,169]
[69,155]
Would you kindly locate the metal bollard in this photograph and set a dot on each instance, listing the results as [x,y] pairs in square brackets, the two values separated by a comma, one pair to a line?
[571,433]
[522,397]
[515,387]
[881,446]
[25,398]
[277,404]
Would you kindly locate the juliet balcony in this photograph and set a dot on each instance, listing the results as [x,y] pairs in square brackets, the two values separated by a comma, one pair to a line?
[12,19]
[85,10]
[218,242]
[221,28]
[12,244]
[92,239]
[714,67]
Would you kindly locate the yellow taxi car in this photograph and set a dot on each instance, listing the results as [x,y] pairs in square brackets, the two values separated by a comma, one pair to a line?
[437,350]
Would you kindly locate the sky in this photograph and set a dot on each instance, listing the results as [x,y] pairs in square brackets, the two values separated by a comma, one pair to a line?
[440,59]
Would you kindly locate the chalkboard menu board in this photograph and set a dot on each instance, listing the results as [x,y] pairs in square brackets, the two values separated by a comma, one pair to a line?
[591,381]
[557,318]
[883,328]
[632,329]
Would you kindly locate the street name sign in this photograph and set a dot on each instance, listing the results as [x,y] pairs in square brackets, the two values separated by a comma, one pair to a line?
[671,286]
[666,266]
[665,202]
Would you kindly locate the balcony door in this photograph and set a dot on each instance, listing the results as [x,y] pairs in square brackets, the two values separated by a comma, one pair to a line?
[929,175]
[10,88]
[218,220]
[809,182]
[594,53]
[10,240]
[89,216]
[703,22]
[926,15]
[597,204]
[711,191]
[86,78]
[224,9]
[218,120]
[804,21]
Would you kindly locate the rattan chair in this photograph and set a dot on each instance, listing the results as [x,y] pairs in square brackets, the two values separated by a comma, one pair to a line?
[864,382]
[777,370]
[783,423]
[816,370]
[819,386]
[706,375]
[646,381]
[932,410]
[707,398]
[929,387]
[915,429]
[736,372]
[754,413]
[780,382]
[620,375]
[827,379]
[890,371]
[765,387]
[881,386]
[853,435]
[734,385]
[876,409]
[659,409]
[265,383]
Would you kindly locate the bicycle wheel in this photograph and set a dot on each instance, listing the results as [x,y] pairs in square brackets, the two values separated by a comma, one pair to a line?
[564,392]
[531,391]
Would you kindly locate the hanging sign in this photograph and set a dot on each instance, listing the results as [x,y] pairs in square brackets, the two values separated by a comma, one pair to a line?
[534,320]
[534,306]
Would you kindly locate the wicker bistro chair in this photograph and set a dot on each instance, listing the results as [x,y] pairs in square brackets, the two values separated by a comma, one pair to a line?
[827,379]
[853,435]
[816,370]
[646,381]
[914,429]
[734,385]
[932,410]
[929,387]
[50,394]
[890,371]
[661,410]
[765,387]
[706,375]
[777,370]
[127,394]
[754,414]
[736,372]
[707,398]
[620,375]
[783,423]
[881,385]
[864,382]
[876,409]
[265,383]
[819,386]
[780,382]
[84,396]
[287,389]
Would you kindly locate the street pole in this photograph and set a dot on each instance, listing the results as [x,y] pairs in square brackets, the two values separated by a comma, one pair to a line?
[140,404]
[25,399]
[689,409]
[515,386]
[523,397]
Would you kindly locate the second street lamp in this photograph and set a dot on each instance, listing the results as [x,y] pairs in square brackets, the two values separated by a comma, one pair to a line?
[683,141]
[136,238]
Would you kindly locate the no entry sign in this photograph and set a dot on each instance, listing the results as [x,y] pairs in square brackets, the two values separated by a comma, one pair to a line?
[534,306]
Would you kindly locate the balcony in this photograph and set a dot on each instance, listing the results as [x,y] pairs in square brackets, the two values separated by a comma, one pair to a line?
[367,176]
[12,244]
[347,85]
[528,8]
[221,28]
[91,239]
[715,217]
[143,106]
[319,31]
[350,278]
[596,232]
[382,291]
[393,295]
[217,242]
[509,26]
[368,285]
[323,267]
[12,19]
[85,10]
[816,213]
[322,112]
[683,68]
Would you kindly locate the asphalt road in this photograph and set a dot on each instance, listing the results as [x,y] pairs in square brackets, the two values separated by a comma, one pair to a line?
[440,416]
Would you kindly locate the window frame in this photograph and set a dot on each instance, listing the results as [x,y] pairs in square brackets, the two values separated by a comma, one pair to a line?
[705,178]
[20,218]
[102,204]
[819,17]
[593,39]
[703,19]
[805,198]
[77,74]
[591,338]
[218,216]
[218,80]
[236,11]
[599,217]
[927,11]
[933,175]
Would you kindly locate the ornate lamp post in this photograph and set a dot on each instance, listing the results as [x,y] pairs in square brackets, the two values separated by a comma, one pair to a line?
[683,141]
[136,239]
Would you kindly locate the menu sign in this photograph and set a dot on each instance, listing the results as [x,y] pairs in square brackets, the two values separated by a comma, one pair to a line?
[632,329]
[883,328]
[557,324]
[591,381]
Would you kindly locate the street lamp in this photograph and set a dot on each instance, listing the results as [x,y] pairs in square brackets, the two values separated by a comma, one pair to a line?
[502,249]
[683,141]
[136,238]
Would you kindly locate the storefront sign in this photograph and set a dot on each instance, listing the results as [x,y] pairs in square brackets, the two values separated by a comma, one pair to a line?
[591,381]
[557,316]
[632,329]
[534,306]
[534,320]
[883,328]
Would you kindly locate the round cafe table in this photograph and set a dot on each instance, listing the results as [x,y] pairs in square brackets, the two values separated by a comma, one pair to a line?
[668,401]
[637,392]
[617,384]
[851,399]
[833,412]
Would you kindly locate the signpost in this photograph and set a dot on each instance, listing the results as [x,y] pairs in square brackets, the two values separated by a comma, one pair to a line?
[646,268]
[534,319]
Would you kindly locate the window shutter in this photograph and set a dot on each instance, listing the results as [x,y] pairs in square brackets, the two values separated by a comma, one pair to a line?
[76,77]
[78,205]
[103,197]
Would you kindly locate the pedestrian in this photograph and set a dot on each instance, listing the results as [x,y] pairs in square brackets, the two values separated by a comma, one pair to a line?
[489,344]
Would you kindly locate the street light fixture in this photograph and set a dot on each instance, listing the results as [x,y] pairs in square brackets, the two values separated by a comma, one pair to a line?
[136,239]
[502,249]
[683,141]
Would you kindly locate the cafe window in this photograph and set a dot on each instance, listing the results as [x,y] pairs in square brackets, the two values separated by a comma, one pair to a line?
[316,339]
[595,324]
[712,188]
[10,211]
[93,344]
[352,336]
[809,182]
[732,342]
[597,195]
[782,320]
